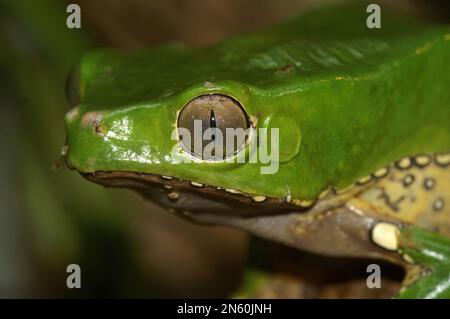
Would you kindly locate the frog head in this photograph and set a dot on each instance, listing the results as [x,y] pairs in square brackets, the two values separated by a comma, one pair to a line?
[311,108]
[128,129]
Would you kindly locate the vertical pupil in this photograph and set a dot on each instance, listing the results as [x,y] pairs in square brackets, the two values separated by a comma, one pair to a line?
[212,123]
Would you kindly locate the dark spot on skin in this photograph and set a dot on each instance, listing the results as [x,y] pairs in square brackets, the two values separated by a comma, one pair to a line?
[394,205]
[438,204]
[429,183]
[408,180]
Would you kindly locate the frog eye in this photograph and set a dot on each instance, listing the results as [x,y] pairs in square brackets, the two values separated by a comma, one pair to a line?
[213,140]
[73,87]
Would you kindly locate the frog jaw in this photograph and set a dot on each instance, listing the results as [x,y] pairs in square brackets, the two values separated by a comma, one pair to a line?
[329,227]
[186,197]
[369,201]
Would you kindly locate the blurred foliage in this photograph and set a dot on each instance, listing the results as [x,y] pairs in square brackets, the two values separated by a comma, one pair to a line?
[46,224]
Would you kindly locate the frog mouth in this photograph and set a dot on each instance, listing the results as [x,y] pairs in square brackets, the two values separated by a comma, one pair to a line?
[186,197]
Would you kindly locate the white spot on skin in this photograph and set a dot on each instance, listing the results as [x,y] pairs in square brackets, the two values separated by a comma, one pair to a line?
[73,113]
[442,159]
[232,191]
[196,184]
[429,183]
[173,195]
[386,235]
[166,177]
[168,186]
[364,180]
[422,160]
[408,180]
[288,198]
[381,172]
[404,163]
[303,203]
[356,210]
[64,150]
[209,85]
[438,204]
[259,199]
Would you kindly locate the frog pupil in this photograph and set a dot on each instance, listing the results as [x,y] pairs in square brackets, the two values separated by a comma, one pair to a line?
[212,123]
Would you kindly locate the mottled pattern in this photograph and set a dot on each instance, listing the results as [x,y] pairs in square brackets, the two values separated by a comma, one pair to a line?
[417,193]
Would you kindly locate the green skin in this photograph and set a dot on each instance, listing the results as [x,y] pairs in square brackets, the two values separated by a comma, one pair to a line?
[347,99]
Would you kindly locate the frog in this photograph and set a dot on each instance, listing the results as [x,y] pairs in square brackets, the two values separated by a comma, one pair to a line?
[358,121]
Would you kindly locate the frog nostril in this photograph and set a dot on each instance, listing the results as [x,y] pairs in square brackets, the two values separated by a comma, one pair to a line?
[94,120]
[73,87]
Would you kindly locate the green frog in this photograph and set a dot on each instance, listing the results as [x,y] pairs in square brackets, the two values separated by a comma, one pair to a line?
[344,147]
